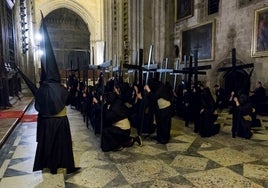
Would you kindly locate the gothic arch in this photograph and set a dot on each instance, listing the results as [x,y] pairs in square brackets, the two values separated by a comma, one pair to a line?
[46,8]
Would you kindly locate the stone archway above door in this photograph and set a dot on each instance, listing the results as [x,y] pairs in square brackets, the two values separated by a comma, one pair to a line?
[91,16]
[68,33]
[235,79]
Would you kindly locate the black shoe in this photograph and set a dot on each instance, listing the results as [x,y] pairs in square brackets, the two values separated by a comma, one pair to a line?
[73,170]
[138,140]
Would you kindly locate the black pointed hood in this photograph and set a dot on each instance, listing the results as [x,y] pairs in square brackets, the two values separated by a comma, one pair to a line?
[49,68]
[51,97]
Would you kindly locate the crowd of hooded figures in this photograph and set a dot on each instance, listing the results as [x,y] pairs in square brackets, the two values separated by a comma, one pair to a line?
[117,107]
[114,108]
[198,105]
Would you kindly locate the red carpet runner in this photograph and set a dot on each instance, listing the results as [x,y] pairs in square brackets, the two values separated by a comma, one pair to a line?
[18,114]
[29,118]
[10,114]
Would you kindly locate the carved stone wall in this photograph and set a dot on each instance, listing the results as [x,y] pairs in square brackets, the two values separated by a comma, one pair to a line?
[234,29]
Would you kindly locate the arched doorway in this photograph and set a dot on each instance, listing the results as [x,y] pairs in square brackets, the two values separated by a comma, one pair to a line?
[237,81]
[69,36]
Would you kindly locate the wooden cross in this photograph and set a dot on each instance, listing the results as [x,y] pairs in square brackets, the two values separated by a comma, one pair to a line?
[164,70]
[234,66]
[143,68]
[137,67]
[193,70]
[232,70]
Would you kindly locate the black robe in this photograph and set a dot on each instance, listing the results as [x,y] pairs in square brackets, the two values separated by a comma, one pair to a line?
[195,104]
[220,98]
[54,142]
[145,114]
[258,98]
[163,115]
[207,117]
[244,118]
[187,107]
[113,137]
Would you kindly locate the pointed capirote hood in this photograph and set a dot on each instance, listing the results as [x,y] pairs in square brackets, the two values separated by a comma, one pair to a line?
[49,69]
[51,97]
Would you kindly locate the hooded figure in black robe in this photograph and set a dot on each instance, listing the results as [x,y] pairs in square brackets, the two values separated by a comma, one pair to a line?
[196,92]
[161,96]
[244,111]
[207,117]
[54,142]
[220,97]
[116,126]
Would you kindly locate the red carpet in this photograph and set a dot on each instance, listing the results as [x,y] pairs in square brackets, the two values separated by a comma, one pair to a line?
[10,114]
[29,118]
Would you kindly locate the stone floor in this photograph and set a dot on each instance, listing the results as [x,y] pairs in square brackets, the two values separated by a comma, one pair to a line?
[186,161]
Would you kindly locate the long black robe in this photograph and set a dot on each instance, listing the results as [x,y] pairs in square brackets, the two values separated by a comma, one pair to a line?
[187,107]
[196,108]
[244,118]
[220,98]
[207,117]
[163,115]
[146,114]
[54,142]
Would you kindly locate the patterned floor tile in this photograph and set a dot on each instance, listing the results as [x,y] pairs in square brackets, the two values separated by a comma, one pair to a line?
[220,177]
[91,159]
[146,170]
[256,171]
[24,151]
[186,161]
[94,177]
[178,146]
[227,156]
[189,162]
[26,181]
[23,166]
[254,150]
[148,150]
